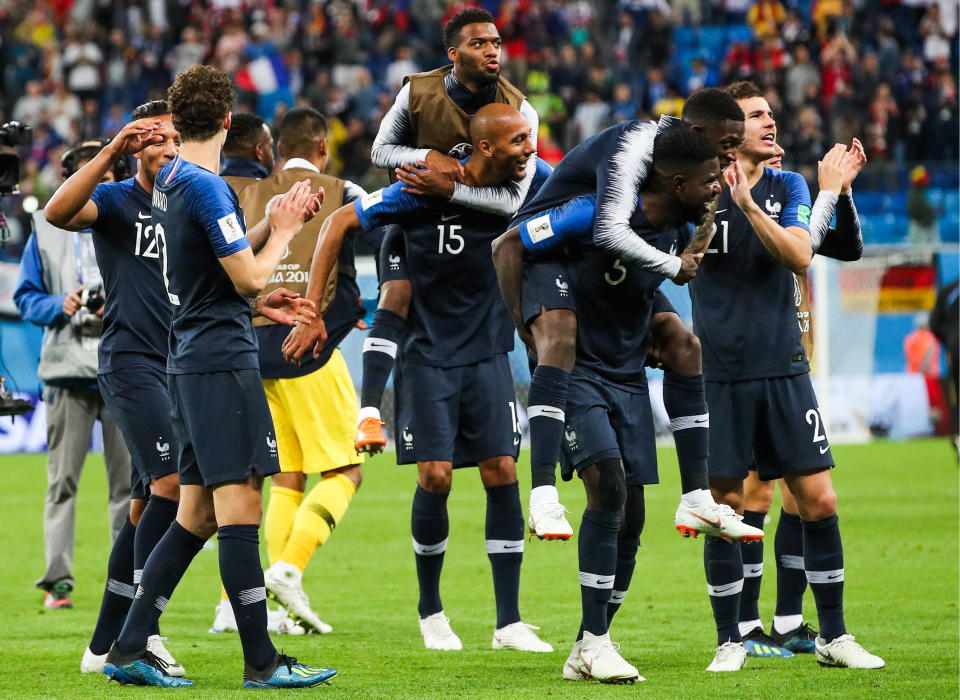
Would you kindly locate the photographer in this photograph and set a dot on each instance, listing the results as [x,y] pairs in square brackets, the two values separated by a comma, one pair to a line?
[60,288]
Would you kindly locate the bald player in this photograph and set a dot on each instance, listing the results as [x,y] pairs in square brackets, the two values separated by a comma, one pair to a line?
[455,400]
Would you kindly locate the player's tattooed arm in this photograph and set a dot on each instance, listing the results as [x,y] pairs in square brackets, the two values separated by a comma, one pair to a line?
[313,335]
[790,245]
[508,263]
[70,207]
[704,232]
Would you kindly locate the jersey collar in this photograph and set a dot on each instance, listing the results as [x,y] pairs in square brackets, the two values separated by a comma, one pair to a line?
[301,163]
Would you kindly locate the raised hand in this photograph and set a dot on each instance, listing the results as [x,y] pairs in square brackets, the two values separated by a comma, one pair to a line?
[286,307]
[831,170]
[689,266]
[135,136]
[857,159]
[739,185]
[287,212]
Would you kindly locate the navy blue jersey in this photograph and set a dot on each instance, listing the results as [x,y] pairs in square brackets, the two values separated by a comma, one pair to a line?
[457,316]
[614,305]
[198,216]
[744,311]
[136,318]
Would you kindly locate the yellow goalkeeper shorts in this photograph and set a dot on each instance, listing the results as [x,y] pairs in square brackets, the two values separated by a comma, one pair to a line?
[315,418]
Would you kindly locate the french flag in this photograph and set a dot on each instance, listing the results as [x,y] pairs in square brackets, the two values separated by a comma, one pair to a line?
[264,75]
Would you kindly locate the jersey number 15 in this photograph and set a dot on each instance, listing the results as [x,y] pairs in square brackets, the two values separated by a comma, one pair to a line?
[449,240]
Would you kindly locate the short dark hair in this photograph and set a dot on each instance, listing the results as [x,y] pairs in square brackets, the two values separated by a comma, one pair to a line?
[744,90]
[153,108]
[300,129]
[680,146]
[246,131]
[471,15]
[200,99]
[711,106]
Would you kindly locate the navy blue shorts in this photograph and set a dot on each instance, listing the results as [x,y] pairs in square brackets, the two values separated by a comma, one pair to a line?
[223,426]
[392,263]
[461,414]
[662,305]
[772,426]
[139,401]
[545,287]
[605,421]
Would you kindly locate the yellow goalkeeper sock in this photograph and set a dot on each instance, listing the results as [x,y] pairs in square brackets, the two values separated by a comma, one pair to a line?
[317,516]
[278,524]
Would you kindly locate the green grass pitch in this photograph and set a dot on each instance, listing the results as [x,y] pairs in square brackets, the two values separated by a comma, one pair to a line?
[899,517]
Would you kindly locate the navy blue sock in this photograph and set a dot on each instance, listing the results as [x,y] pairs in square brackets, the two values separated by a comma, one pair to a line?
[546,404]
[379,352]
[118,593]
[686,405]
[752,555]
[626,563]
[823,561]
[597,548]
[154,523]
[242,575]
[430,528]
[791,577]
[724,567]
[504,533]
[164,568]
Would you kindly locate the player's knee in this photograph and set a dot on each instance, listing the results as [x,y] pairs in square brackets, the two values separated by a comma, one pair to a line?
[727,492]
[296,481]
[167,486]
[680,349]
[555,335]
[760,497]
[395,296]
[137,506]
[634,515]
[353,472]
[435,477]
[498,471]
[610,486]
[822,505]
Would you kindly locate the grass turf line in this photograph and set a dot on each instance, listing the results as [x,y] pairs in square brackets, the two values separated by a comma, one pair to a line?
[898,515]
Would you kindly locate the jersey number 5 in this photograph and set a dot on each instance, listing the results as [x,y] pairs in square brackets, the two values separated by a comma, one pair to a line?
[449,240]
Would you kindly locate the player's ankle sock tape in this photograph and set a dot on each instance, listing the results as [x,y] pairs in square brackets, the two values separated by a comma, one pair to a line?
[118,592]
[278,520]
[597,553]
[154,523]
[791,577]
[242,576]
[504,541]
[317,517]
[546,403]
[823,562]
[379,352]
[430,527]
[164,568]
[686,405]
[752,555]
[724,568]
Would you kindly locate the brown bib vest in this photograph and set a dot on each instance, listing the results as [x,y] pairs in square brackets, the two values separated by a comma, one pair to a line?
[436,119]
[293,272]
[239,184]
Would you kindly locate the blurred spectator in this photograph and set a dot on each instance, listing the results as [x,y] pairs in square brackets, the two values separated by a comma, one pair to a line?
[623,107]
[923,227]
[82,64]
[402,66]
[590,117]
[765,18]
[190,51]
[32,106]
[801,74]
[921,349]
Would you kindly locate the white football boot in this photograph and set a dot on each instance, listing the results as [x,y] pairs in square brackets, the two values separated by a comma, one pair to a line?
[845,652]
[571,667]
[279,622]
[156,647]
[730,656]
[519,636]
[92,663]
[224,619]
[600,660]
[548,520]
[716,520]
[284,582]
[437,633]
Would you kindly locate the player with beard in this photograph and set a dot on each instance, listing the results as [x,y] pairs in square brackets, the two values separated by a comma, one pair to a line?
[424,136]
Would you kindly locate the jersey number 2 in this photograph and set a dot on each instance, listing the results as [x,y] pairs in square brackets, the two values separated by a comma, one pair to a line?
[449,240]
[814,419]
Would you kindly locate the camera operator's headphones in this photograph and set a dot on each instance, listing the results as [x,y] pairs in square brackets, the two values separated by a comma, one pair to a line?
[86,151]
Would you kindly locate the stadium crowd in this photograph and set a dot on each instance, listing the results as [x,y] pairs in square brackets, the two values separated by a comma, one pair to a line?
[883,69]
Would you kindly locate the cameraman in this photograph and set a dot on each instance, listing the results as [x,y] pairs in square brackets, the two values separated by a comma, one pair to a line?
[60,288]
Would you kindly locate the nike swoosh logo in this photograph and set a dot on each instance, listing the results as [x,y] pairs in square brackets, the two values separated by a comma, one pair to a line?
[823,450]
[711,523]
[551,411]
[755,571]
[430,551]
[830,578]
[380,345]
[604,583]
[141,216]
[511,546]
[447,218]
[724,590]
[701,421]
[719,211]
